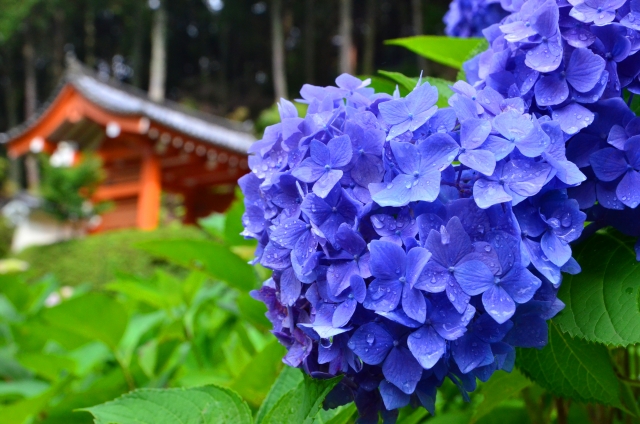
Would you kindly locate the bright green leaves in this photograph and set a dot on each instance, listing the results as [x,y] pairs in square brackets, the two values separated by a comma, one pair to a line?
[292,399]
[601,302]
[500,387]
[252,382]
[301,404]
[203,405]
[448,51]
[93,317]
[572,369]
[211,257]
[406,84]
[288,380]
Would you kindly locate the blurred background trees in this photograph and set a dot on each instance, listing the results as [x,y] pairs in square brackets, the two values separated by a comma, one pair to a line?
[230,58]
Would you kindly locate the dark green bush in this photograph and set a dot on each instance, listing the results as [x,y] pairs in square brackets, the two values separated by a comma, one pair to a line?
[97,258]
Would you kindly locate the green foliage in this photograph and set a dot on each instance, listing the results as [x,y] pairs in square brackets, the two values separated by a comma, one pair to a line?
[407,84]
[66,191]
[301,404]
[78,316]
[204,405]
[500,387]
[208,256]
[13,14]
[448,51]
[572,368]
[98,258]
[601,301]
[288,380]
[193,343]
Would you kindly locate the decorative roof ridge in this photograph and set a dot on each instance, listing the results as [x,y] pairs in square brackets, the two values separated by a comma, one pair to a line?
[213,129]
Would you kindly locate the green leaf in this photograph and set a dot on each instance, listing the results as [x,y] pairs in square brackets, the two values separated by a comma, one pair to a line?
[22,388]
[93,316]
[444,92]
[301,404]
[163,291]
[404,81]
[601,301]
[20,412]
[448,51]
[203,405]
[253,311]
[288,379]
[257,376]
[572,368]
[454,417]
[137,327]
[384,85]
[211,257]
[50,367]
[500,386]
[340,415]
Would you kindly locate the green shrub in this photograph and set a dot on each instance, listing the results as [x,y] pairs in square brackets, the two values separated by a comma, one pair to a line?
[98,258]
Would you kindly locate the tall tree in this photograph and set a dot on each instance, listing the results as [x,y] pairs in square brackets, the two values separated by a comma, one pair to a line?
[30,80]
[277,51]
[418,29]
[137,59]
[58,43]
[368,57]
[309,41]
[30,102]
[158,65]
[347,50]
[89,34]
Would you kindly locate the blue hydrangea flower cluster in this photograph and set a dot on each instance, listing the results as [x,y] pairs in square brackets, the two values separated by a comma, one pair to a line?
[575,62]
[410,244]
[467,18]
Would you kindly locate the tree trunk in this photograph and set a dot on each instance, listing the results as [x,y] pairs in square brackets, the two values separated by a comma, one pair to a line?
[11,104]
[57,67]
[277,51]
[368,57]
[30,79]
[30,104]
[347,51]
[158,66]
[138,46]
[418,29]
[89,36]
[309,42]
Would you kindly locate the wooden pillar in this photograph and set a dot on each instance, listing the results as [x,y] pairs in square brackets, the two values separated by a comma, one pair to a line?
[150,190]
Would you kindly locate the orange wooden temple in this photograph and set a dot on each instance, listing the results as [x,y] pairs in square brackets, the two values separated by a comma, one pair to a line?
[147,147]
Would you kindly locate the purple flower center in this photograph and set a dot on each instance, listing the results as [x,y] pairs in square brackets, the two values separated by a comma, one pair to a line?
[327,167]
[451,269]
[402,280]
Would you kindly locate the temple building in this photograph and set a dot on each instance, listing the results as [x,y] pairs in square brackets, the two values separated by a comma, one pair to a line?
[147,147]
